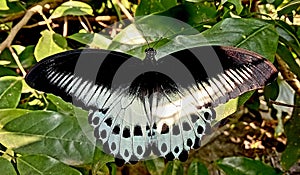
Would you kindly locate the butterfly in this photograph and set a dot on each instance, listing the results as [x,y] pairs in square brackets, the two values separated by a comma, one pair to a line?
[161,107]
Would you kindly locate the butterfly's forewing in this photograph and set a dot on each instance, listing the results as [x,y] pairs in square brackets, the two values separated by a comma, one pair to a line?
[221,73]
[77,75]
[162,107]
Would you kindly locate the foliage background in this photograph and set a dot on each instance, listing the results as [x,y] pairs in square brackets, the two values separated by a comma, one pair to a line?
[41,135]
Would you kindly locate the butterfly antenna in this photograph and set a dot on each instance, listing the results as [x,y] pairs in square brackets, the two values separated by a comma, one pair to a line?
[160,38]
[283,104]
[143,34]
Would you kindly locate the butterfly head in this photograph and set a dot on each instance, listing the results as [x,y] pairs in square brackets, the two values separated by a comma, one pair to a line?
[150,54]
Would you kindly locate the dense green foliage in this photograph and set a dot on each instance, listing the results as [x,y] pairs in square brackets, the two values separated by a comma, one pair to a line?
[42,134]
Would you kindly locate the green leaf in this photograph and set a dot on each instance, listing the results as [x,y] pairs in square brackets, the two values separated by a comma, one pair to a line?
[134,39]
[147,7]
[291,154]
[59,105]
[173,168]
[3,5]
[14,7]
[288,36]
[245,166]
[197,167]
[155,166]
[271,91]
[93,40]
[6,115]
[10,91]
[6,167]
[289,7]
[50,43]
[194,14]
[18,48]
[45,165]
[100,161]
[50,133]
[5,71]
[246,33]
[7,56]
[75,8]
[27,57]
[249,33]
[286,55]
[237,3]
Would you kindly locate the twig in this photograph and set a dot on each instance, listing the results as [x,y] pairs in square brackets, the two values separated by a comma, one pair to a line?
[82,23]
[288,76]
[17,60]
[41,23]
[88,23]
[125,11]
[65,31]
[108,18]
[16,28]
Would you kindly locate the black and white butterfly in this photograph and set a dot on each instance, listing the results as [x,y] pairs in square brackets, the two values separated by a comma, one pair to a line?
[149,107]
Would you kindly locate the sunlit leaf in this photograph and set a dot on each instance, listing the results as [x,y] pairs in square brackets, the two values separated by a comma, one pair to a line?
[3,5]
[50,43]
[74,8]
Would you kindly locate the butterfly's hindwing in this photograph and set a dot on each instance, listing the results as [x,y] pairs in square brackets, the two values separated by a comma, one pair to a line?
[132,138]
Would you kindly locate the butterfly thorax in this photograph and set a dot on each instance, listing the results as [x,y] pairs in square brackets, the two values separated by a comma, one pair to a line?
[148,83]
[151,81]
[150,55]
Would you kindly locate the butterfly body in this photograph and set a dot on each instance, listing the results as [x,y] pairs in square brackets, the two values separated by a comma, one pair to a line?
[153,106]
